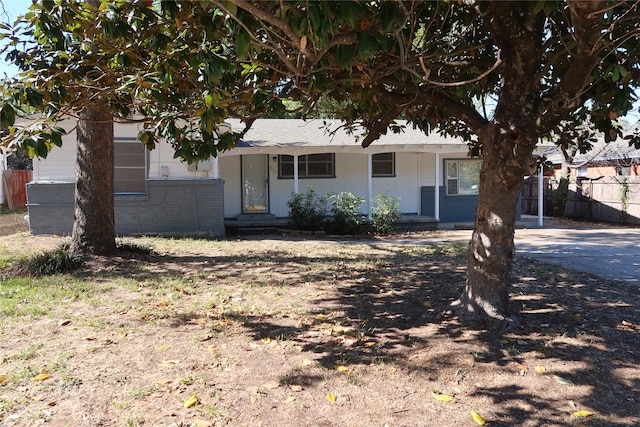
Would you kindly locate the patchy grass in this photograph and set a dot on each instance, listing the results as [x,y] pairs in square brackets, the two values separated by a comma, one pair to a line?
[306,333]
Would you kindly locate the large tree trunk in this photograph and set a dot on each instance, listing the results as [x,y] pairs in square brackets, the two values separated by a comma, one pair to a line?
[94,224]
[491,249]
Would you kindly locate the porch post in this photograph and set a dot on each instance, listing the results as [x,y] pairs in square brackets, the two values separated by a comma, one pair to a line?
[540,196]
[369,184]
[295,174]
[436,193]
[216,167]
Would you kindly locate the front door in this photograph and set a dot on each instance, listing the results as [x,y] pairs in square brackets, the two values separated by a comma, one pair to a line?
[255,183]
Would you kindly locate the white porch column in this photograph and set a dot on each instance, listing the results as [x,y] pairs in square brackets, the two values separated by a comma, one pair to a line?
[436,193]
[369,184]
[295,174]
[215,165]
[541,196]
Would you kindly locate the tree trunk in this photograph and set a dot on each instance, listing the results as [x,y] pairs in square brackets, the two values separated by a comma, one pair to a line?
[491,249]
[93,223]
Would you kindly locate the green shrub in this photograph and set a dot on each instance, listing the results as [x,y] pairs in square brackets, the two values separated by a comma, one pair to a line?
[385,212]
[307,211]
[345,211]
[51,262]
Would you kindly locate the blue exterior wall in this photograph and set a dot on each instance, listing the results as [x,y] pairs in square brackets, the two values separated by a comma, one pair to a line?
[452,208]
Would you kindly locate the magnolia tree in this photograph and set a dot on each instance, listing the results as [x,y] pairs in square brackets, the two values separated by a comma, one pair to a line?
[502,75]
[171,66]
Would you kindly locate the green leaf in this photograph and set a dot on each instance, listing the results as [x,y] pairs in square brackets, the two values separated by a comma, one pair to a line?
[243,42]
[563,380]
[7,116]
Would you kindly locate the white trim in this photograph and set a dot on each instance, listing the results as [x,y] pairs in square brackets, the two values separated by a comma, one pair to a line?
[436,192]
[540,196]
[370,183]
[296,187]
[216,168]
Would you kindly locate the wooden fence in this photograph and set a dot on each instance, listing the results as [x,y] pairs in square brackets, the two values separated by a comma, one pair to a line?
[609,199]
[15,190]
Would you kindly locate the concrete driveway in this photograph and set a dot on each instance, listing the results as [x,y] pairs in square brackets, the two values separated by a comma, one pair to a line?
[607,251]
[610,252]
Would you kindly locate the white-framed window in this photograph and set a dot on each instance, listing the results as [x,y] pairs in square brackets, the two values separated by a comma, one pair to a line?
[582,171]
[462,176]
[129,166]
[383,165]
[309,166]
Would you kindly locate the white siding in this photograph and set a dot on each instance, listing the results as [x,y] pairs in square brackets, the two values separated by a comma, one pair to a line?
[230,173]
[427,170]
[351,175]
[60,163]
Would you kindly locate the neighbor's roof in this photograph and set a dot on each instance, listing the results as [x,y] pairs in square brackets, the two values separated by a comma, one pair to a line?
[601,151]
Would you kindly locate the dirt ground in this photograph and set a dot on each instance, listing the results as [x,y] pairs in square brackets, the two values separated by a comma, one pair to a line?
[311,333]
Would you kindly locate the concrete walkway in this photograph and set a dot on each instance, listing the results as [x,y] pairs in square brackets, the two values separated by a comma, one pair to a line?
[607,251]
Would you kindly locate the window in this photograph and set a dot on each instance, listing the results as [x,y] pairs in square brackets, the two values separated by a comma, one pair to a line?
[463,176]
[383,164]
[624,170]
[309,166]
[129,166]
[582,171]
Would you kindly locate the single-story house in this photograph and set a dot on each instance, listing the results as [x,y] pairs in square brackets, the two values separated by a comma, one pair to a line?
[432,176]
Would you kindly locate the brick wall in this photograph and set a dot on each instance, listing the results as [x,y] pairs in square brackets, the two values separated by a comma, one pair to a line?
[175,206]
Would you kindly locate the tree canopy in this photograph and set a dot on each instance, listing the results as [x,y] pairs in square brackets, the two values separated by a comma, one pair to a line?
[502,75]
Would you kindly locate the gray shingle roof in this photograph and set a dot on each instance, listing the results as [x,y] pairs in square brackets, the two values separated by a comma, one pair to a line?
[313,133]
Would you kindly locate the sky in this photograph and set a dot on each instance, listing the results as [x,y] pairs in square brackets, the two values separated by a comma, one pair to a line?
[12,8]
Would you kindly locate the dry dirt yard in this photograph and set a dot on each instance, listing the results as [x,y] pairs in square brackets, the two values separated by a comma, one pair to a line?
[279,332]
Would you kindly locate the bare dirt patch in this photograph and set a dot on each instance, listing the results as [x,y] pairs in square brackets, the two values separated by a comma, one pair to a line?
[310,333]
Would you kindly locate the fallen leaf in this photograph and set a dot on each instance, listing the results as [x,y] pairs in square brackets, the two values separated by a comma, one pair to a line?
[266,340]
[307,362]
[583,414]
[164,381]
[192,401]
[442,397]
[369,343]
[562,380]
[295,387]
[272,385]
[331,397]
[540,369]
[90,338]
[123,334]
[212,348]
[577,316]
[343,368]
[427,304]
[202,423]
[478,418]
[521,366]
[290,399]
[41,377]
[163,347]
[169,362]
[3,378]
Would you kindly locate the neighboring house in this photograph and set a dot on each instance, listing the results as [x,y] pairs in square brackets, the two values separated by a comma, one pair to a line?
[604,184]
[430,175]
